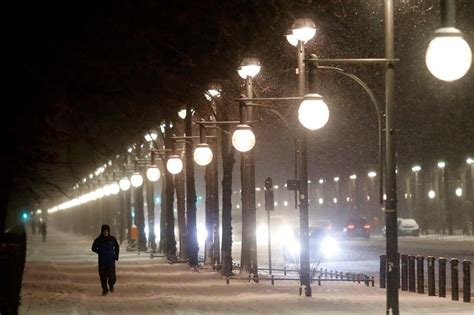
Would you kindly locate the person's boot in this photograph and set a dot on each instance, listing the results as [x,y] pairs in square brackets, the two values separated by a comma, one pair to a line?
[111,289]
[105,292]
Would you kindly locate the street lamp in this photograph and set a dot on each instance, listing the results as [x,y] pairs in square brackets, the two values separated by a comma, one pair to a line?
[174,165]
[448,56]
[459,192]
[136,180]
[151,136]
[114,188]
[431,194]
[313,112]
[243,138]
[124,184]
[441,164]
[372,174]
[469,160]
[153,173]
[416,168]
[303,30]
[249,67]
[202,154]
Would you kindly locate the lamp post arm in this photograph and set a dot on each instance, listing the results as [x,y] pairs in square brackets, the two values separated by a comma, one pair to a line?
[380,117]
[276,113]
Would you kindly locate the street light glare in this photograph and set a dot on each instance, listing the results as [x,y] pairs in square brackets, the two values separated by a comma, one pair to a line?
[249,67]
[151,136]
[136,180]
[441,164]
[469,160]
[459,192]
[202,154]
[174,165]
[416,168]
[114,188]
[182,113]
[431,194]
[448,56]
[153,173]
[243,138]
[313,112]
[372,174]
[353,176]
[124,184]
[304,29]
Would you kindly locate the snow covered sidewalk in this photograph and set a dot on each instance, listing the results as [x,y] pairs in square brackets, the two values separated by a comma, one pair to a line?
[61,278]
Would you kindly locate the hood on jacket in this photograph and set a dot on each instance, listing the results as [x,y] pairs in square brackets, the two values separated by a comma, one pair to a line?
[105,227]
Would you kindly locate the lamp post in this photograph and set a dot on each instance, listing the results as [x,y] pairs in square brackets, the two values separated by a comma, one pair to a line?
[469,192]
[152,174]
[243,140]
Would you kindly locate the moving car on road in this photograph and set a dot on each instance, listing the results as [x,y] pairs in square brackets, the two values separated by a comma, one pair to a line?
[357,227]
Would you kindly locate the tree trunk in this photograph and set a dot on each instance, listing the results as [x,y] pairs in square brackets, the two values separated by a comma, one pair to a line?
[150,196]
[169,194]
[209,214]
[140,218]
[162,246]
[179,182]
[128,213]
[228,161]
[192,244]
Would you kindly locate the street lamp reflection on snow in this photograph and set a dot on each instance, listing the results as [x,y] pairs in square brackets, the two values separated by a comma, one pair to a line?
[243,138]
[124,184]
[459,192]
[249,67]
[303,29]
[136,180]
[313,112]
[174,165]
[153,173]
[448,56]
[202,154]
[431,194]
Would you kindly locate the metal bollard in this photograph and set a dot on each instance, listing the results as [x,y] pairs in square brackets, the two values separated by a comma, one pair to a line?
[431,276]
[466,282]
[383,270]
[442,276]
[319,280]
[454,280]
[330,274]
[337,274]
[358,278]
[366,281]
[227,279]
[373,281]
[273,280]
[404,273]
[411,273]
[420,273]
[284,271]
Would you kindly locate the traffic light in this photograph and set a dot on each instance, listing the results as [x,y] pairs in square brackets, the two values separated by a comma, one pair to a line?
[24,215]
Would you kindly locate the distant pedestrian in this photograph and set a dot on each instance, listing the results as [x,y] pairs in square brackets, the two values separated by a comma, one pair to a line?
[33,225]
[107,247]
[43,230]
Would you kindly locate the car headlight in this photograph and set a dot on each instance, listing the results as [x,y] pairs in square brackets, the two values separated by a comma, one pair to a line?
[329,247]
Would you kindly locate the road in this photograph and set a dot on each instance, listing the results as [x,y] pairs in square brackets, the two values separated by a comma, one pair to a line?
[362,256]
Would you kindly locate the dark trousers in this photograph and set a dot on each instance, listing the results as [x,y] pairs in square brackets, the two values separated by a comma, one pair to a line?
[107,275]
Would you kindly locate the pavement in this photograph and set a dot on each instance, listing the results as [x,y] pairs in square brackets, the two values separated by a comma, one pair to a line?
[61,278]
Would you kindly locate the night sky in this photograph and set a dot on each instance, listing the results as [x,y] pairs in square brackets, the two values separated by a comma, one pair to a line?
[90,79]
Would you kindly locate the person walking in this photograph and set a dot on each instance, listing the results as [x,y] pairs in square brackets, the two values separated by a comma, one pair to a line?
[43,230]
[107,247]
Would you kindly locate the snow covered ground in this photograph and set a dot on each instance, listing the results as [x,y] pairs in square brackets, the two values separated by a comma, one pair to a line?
[61,278]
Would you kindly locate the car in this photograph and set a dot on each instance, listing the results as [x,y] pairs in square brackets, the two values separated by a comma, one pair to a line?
[406,227]
[357,227]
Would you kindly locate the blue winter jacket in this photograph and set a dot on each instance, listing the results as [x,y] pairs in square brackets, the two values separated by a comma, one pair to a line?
[107,248]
